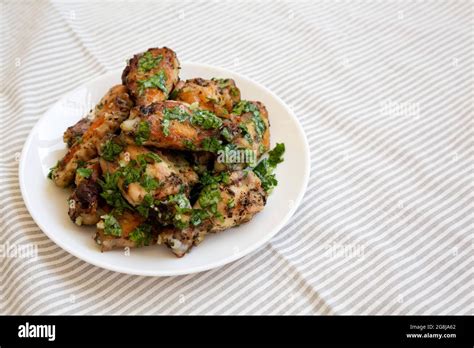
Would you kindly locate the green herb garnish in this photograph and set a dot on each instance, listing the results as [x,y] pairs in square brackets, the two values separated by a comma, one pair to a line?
[131,173]
[149,156]
[84,172]
[111,150]
[209,197]
[207,178]
[198,216]
[141,235]
[111,225]
[188,144]
[211,144]
[264,170]
[111,193]
[246,133]
[156,81]
[149,183]
[205,119]
[147,61]
[169,114]
[226,134]
[182,208]
[245,106]
[52,170]
[144,208]
[143,132]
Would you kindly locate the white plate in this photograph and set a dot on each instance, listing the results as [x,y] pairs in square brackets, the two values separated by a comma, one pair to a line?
[48,207]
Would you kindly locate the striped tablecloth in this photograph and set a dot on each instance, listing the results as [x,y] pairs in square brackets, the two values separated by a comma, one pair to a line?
[383,90]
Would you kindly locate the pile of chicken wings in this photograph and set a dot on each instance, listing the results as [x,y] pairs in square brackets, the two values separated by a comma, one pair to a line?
[166,161]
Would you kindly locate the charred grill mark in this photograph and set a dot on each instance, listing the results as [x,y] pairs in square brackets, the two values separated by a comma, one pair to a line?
[147,110]
[74,133]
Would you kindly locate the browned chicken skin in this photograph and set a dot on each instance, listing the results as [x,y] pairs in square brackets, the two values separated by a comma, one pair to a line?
[74,133]
[151,76]
[217,95]
[126,230]
[112,110]
[175,132]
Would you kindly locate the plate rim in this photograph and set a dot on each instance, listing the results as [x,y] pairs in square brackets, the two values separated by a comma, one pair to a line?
[157,273]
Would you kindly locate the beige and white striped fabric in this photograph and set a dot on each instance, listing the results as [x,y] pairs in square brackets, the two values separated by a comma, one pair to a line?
[383,90]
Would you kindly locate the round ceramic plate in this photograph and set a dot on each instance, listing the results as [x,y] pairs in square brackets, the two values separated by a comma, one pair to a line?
[47,203]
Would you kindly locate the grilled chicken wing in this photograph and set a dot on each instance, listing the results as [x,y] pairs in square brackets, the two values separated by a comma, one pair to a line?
[151,76]
[240,199]
[128,229]
[113,108]
[74,133]
[145,176]
[173,125]
[84,200]
[217,95]
[223,206]
[248,131]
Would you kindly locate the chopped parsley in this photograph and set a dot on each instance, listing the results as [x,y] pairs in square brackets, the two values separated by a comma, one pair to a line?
[143,132]
[111,150]
[182,209]
[259,124]
[141,235]
[240,107]
[226,134]
[198,216]
[245,106]
[158,80]
[205,119]
[208,179]
[134,172]
[264,170]
[211,144]
[52,170]
[169,114]
[84,172]
[147,61]
[111,193]
[201,118]
[111,225]
[188,144]
[234,91]
[209,197]
[131,173]
[246,133]
[149,183]
[275,156]
[144,208]
[151,156]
